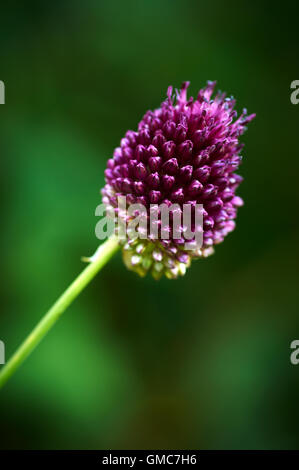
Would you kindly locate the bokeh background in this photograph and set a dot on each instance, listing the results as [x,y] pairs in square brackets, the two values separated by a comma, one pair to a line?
[201,362]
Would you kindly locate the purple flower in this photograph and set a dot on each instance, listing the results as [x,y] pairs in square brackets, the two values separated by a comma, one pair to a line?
[185,152]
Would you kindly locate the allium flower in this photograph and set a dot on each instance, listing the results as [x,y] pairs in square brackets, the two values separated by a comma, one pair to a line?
[184,155]
[185,152]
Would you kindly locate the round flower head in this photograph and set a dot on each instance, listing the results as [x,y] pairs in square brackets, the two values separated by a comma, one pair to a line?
[184,154]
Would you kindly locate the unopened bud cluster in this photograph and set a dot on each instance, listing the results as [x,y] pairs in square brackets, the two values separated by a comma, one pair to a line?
[185,152]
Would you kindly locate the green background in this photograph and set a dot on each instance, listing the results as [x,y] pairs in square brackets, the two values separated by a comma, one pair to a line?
[201,362]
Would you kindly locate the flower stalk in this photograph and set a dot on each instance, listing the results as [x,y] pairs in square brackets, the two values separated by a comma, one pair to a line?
[96,262]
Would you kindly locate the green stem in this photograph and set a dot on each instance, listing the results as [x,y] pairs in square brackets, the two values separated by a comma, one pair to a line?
[100,258]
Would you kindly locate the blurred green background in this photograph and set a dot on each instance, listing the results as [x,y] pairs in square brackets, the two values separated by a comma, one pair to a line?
[201,362]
